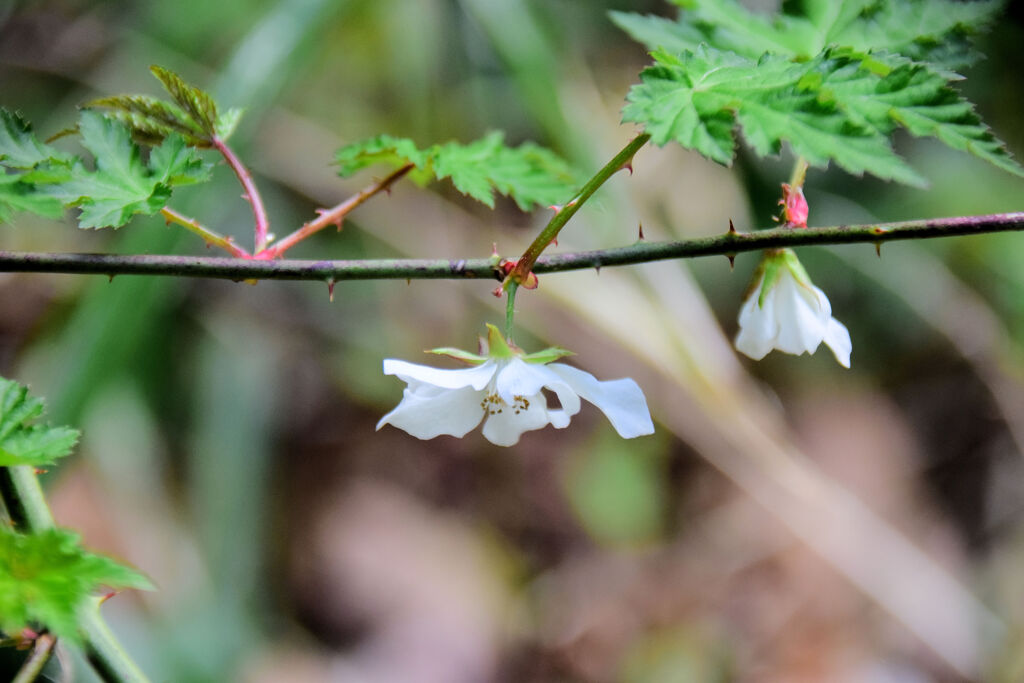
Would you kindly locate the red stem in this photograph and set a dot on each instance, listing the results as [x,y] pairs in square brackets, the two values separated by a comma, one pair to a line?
[333,216]
[251,193]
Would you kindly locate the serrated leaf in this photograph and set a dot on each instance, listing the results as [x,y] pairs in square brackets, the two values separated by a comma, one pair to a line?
[937,31]
[841,105]
[173,163]
[19,147]
[16,195]
[48,579]
[198,105]
[151,119]
[227,122]
[529,174]
[21,441]
[122,185]
[381,149]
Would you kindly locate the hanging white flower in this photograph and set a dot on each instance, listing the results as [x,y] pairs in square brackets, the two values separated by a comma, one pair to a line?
[504,389]
[785,311]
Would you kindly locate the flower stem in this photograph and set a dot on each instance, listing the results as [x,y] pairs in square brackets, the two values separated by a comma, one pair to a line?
[510,308]
[725,244]
[562,216]
[799,172]
[252,194]
[209,236]
[40,655]
[27,508]
[333,216]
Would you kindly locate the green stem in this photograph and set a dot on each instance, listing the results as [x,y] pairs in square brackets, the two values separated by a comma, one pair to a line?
[510,308]
[209,236]
[23,498]
[33,666]
[726,244]
[554,226]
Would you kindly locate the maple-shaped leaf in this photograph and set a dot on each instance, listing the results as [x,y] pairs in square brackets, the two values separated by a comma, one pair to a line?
[937,31]
[48,580]
[16,195]
[122,185]
[22,442]
[19,147]
[528,174]
[841,105]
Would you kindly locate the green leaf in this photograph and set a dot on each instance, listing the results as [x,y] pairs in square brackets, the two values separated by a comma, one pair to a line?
[528,174]
[122,185]
[382,149]
[842,105]
[151,119]
[937,31]
[227,122]
[173,163]
[19,148]
[198,105]
[48,579]
[17,195]
[24,443]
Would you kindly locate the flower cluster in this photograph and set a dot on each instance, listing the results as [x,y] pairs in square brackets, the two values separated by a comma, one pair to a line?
[504,389]
[785,311]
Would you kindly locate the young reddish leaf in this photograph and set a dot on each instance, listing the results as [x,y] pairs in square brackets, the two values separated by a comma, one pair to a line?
[198,105]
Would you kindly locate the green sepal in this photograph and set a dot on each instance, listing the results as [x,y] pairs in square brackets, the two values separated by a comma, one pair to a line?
[771,270]
[497,347]
[459,355]
[548,355]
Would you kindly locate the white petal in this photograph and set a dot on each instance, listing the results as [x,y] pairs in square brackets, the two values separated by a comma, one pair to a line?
[801,325]
[519,378]
[505,427]
[476,377]
[758,327]
[621,400]
[838,339]
[430,413]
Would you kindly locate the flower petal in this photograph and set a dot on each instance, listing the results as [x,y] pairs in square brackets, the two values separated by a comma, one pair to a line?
[519,378]
[800,317]
[838,339]
[758,327]
[433,411]
[621,400]
[504,427]
[411,373]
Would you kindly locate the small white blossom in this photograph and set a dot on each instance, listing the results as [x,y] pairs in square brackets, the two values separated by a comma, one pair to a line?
[505,391]
[785,311]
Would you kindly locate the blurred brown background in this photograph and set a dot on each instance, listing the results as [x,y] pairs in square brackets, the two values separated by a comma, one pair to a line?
[790,520]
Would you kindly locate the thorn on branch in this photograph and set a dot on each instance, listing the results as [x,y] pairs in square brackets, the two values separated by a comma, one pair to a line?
[732,261]
[878,249]
[641,238]
[330,289]
[732,228]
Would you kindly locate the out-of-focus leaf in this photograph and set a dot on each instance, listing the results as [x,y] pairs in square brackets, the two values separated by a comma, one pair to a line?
[935,31]
[24,443]
[529,174]
[47,578]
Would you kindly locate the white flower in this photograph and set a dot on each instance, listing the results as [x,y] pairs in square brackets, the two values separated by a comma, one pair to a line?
[786,312]
[505,391]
